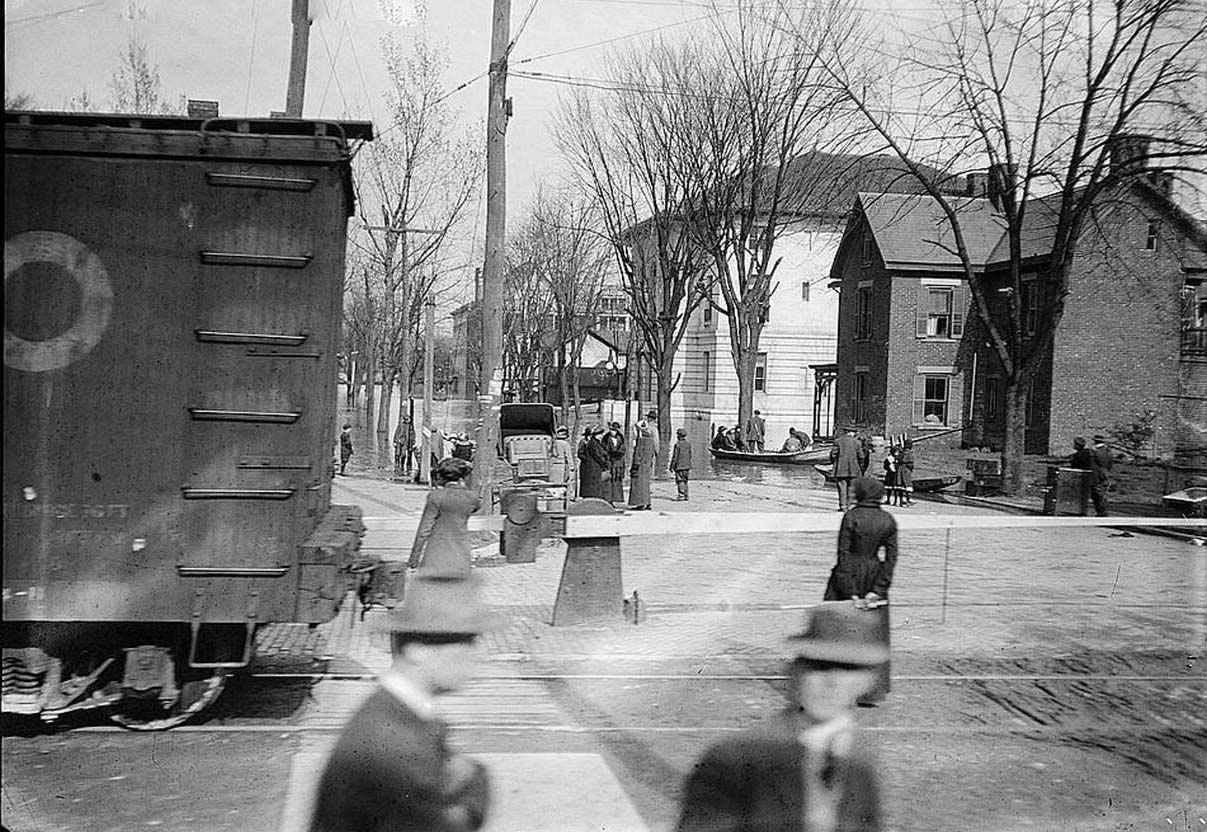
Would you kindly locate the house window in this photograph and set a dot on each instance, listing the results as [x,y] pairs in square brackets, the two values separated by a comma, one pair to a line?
[804,290]
[866,250]
[1150,237]
[1029,312]
[859,398]
[708,305]
[707,370]
[940,312]
[930,399]
[993,396]
[863,313]
[760,372]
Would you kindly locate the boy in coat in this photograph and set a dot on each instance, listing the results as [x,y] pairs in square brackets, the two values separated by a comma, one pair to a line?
[392,767]
[681,462]
[807,768]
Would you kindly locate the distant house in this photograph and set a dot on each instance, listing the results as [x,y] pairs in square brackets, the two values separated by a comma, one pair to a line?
[795,368]
[913,358]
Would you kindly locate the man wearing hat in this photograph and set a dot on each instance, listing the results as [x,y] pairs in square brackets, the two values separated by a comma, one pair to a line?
[345,446]
[561,462]
[613,442]
[1100,476]
[805,768]
[756,432]
[391,767]
[681,462]
[845,458]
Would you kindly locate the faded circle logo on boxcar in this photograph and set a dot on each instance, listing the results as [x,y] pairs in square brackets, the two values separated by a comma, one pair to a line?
[40,342]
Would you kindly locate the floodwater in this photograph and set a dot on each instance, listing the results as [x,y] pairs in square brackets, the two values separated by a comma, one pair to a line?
[374,454]
[374,457]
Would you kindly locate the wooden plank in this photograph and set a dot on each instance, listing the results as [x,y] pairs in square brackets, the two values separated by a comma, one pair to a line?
[706,522]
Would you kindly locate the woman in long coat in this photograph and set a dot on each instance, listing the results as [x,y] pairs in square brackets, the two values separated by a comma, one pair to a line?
[644,453]
[592,462]
[864,573]
[442,540]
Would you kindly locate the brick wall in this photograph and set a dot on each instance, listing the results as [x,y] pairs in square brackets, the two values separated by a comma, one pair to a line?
[907,353]
[1117,350]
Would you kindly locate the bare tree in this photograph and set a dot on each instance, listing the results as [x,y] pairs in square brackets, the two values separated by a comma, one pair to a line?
[620,153]
[134,86]
[767,104]
[1043,94]
[567,258]
[414,184]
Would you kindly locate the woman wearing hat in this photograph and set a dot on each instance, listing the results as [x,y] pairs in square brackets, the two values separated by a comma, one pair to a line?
[867,556]
[592,463]
[442,540]
[806,767]
[642,469]
[392,767]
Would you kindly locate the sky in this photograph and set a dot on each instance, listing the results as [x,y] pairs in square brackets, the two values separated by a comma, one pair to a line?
[237,53]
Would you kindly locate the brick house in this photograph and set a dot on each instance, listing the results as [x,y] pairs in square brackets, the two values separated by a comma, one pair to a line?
[913,358]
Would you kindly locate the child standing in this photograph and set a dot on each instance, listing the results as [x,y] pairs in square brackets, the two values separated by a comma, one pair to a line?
[905,473]
[681,462]
[890,476]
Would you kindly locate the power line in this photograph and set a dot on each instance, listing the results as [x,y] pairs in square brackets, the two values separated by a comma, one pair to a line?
[612,40]
[520,31]
[255,21]
[334,75]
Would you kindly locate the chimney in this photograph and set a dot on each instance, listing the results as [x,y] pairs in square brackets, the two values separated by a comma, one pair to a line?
[1162,180]
[1129,152]
[1001,182]
[977,184]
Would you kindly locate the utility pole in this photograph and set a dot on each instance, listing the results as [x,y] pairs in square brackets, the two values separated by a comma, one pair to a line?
[429,377]
[490,390]
[297,59]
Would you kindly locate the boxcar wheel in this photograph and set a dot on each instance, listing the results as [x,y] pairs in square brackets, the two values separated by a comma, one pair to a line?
[196,694]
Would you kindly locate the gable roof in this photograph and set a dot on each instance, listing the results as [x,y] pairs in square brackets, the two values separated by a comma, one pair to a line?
[911,231]
[825,184]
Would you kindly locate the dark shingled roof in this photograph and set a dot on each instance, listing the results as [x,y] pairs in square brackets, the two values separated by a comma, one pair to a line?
[911,229]
[827,183]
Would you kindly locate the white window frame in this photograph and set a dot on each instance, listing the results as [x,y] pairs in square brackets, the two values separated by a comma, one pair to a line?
[760,372]
[921,399]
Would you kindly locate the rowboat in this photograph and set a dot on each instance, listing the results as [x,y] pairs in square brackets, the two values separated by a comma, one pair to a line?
[812,454]
[921,484]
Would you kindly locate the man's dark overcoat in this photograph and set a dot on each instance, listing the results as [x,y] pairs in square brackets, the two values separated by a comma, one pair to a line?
[389,771]
[845,455]
[613,490]
[754,782]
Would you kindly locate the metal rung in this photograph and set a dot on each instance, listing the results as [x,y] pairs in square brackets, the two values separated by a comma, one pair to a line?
[231,572]
[277,261]
[273,183]
[262,353]
[212,336]
[276,417]
[191,493]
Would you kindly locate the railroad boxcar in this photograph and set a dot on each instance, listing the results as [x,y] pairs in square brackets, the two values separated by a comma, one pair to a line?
[173,293]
